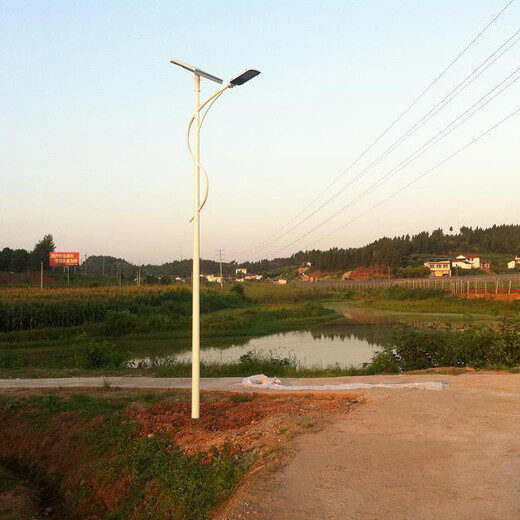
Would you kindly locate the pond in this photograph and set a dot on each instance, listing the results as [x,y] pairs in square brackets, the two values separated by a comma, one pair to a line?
[352,340]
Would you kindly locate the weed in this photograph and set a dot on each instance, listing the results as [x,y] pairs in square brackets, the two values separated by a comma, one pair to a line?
[241,398]
[11,404]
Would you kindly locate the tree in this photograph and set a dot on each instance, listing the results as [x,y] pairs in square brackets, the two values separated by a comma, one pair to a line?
[5,259]
[20,260]
[41,251]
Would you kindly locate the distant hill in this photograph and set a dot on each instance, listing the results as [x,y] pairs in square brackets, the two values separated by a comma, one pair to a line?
[497,243]
[406,249]
[398,251]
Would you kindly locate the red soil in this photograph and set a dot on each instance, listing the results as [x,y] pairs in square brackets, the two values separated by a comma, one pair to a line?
[240,425]
[372,272]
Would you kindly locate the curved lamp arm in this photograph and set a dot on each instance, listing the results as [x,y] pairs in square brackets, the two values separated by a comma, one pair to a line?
[210,101]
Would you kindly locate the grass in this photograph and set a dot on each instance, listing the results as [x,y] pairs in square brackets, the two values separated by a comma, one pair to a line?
[258,363]
[404,299]
[160,480]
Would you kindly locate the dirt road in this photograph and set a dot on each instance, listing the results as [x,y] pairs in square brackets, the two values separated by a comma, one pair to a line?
[405,454]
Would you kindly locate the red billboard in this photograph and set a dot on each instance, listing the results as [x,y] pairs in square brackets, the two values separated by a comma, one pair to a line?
[63,259]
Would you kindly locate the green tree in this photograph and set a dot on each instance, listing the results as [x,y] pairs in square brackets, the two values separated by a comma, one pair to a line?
[20,260]
[5,259]
[41,251]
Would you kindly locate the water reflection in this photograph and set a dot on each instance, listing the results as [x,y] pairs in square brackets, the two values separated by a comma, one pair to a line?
[351,340]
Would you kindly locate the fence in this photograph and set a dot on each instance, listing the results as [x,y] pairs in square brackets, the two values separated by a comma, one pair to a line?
[492,284]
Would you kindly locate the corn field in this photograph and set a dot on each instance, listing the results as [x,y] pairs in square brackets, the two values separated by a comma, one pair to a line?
[30,308]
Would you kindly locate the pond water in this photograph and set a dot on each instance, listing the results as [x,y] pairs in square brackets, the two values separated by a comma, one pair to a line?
[352,340]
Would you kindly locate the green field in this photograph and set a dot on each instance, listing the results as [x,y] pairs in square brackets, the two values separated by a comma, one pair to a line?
[60,332]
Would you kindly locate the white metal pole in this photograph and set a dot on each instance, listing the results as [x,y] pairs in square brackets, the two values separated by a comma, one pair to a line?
[195,361]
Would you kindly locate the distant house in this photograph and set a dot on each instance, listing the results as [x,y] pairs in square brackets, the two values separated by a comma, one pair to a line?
[514,264]
[467,262]
[439,266]
[253,276]
[281,281]
[241,270]
[213,279]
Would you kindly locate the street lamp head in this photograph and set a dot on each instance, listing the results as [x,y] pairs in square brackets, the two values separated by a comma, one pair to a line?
[196,71]
[244,77]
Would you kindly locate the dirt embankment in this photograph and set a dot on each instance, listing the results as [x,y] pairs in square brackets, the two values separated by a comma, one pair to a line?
[499,296]
[69,470]
[371,272]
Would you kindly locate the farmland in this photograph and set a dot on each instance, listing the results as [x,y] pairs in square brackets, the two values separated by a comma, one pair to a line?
[80,331]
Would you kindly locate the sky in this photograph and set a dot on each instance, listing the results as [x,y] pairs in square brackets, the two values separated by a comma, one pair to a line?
[93,120]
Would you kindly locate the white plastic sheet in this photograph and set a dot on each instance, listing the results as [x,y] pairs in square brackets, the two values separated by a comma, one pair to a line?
[261,381]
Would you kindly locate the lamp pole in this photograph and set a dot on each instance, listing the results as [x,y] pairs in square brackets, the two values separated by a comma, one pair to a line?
[197,206]
[195,330]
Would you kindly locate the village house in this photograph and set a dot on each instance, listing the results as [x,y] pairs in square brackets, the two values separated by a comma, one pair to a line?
[213,279]
[253,276]
[514,264]
[439,266]
[467,262]
[240,271]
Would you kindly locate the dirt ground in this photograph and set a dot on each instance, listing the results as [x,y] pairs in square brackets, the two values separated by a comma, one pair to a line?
[404,454]
[260,425]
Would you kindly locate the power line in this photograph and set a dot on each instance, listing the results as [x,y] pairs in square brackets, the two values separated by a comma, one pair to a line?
[420,151]
[388,128]
[458,89]
[438,165]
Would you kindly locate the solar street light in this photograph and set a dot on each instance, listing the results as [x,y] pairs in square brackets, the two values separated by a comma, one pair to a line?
[197,206]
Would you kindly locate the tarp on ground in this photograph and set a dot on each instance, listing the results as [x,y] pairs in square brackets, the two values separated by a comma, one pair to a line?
[261,381]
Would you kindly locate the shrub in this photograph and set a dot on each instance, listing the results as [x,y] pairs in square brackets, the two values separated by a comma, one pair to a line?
[91,353]
[238,289]
[412,272]
[118,323]
[475,345]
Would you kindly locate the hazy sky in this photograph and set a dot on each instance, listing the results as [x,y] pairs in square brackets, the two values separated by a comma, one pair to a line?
[93,120]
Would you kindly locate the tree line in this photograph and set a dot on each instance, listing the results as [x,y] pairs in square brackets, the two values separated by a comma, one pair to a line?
[401,251]
[21,260]
[405,250]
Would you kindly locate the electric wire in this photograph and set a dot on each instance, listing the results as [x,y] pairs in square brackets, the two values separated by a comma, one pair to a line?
[470,112]
[458,89]
[438,165]
[388,128]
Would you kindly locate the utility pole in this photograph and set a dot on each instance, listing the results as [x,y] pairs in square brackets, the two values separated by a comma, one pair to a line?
[220,251]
